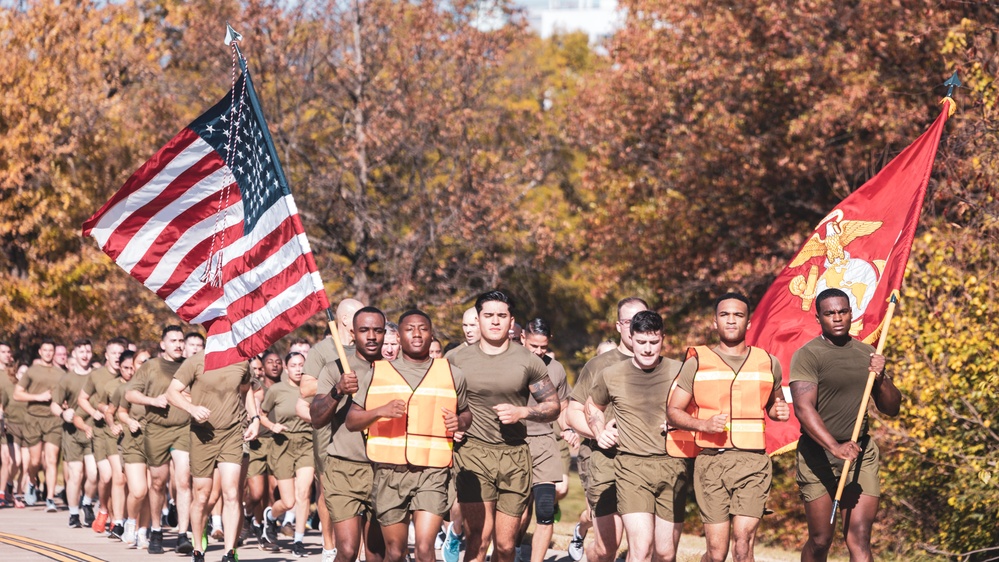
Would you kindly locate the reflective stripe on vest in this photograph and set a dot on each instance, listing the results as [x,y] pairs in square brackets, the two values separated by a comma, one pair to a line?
[742,395]
[681,442]
[418,438]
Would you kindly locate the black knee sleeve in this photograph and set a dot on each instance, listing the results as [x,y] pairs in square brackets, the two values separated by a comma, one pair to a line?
[544,503]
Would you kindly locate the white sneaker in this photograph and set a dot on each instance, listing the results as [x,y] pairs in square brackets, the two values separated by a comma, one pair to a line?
[576,545]
[439,540]
[328,555]
[128,537]
[142,539]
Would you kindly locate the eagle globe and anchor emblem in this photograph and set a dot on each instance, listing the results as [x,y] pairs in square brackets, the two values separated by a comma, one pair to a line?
[855,277]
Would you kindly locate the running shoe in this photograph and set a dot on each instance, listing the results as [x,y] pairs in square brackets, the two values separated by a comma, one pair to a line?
[172,514]
[50,506]
[439,539]
[74,521]
[576,545]
[230,556]
[217,533]
[184,545]
[142,540]
[88,515]
[328,555]
[288,529]
[31,496]
[128,534]
[197,556]
[155,542]
[452,545]
[117,531]
[298,549]
[99,522]
[269,527]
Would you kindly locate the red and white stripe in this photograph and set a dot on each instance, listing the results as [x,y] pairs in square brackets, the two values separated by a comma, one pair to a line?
[159,228]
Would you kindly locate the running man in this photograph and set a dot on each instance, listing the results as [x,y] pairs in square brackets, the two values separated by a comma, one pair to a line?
[494,463]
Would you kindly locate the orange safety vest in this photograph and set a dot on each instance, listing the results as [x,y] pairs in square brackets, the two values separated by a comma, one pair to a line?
[742,395]
[418,438]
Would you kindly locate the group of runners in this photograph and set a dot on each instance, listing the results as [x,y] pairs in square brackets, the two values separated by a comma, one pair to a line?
[410,444]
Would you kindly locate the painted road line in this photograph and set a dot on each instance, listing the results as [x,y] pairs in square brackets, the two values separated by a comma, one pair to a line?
[53,551]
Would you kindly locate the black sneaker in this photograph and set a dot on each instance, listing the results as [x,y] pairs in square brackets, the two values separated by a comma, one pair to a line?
[197,556]
[88,515]
[298,549]
[184,545]
[74,521]
[116,531]
[230,556]
[267,545]
[155,542]
[172,514]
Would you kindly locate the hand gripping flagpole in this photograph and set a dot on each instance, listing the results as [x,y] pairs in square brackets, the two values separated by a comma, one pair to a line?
[232,39]
[862,413]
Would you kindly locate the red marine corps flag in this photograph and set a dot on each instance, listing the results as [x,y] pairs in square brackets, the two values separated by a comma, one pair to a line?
[861,247]
[209,225]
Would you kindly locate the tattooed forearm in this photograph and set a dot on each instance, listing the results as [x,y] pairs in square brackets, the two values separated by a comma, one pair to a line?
[544,412]
[543,390]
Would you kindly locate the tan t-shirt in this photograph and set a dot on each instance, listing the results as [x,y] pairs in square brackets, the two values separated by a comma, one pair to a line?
[117,397]
[685,379]
[37,380]
[279,403]
[13,411]
[498,379]
[584,382]
[94,388]
[153,379]
[217,390]
[68,391]
[556,372]
[323,354]
[346,444]
[639,399]
[841,375]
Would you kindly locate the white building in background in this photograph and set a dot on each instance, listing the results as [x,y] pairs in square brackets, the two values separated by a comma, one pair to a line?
[599,19]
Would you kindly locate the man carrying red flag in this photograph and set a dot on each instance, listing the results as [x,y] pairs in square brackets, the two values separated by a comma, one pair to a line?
[861,248]
[828,379]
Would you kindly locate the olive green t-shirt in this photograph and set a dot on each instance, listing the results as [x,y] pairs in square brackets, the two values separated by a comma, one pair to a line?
[153,379]
[323,354]
[217,390]
[37,380]
[841,376]
[279,403]
[13,411]
[68,391]
[685,379]
[584,382]
[94,388]
[639,399]
[345,444]
[117,397]
[556,372]
[491,380]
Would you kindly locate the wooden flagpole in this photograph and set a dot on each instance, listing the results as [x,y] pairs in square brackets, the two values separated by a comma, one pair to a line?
[862,413]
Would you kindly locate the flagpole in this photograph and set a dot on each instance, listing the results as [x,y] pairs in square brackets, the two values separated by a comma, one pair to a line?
[862,412]
[233,38]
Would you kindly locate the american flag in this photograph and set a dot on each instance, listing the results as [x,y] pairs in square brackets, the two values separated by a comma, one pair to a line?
[217,235]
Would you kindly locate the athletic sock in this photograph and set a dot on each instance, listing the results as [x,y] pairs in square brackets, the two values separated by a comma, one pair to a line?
[86,501]
[299,537]
[74,511]
[289,517]
[217,521]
